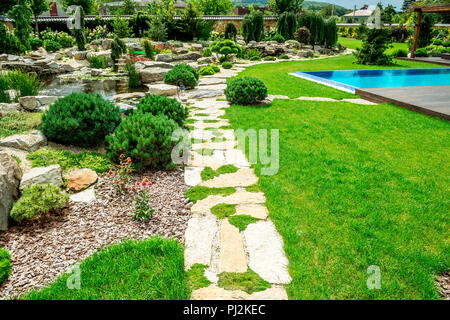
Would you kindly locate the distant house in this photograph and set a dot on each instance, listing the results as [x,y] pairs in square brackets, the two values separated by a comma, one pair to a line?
[242,11]
[56,10]
[8,22]
[179,5]
[359,16]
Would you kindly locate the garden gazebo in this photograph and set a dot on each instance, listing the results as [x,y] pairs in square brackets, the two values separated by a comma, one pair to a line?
[436,8]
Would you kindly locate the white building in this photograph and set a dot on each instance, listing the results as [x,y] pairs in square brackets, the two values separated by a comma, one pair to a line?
[359,16]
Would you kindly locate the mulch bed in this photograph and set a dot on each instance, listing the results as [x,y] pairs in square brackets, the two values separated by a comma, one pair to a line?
[42,251]
[444,285]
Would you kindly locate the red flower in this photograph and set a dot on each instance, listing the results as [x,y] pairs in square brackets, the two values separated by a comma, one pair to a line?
[129,160]
[122,156]
[144,183]
[138,184]
[117,182]
[133,189]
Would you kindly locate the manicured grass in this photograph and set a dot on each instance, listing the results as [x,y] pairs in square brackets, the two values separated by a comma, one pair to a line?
[357,186]
[199,193]
[276,75]
[196,276]
[19,122]
[355,43]
[208,173]
[253,188]
[223,210]
[248,281]
[242,221]
[132,270]
[67,160]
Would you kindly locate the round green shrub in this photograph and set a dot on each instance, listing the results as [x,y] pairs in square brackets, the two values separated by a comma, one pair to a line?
[159,105]
[227,65]
[146,138]
[400,53]
[215,68]
[284,56]
[182,74]
[270,58]
[5,265]
[421,52]
[245,90]
[52,46]
[80,119]
[278,38]
[35,43]
[37,201]
[207,71]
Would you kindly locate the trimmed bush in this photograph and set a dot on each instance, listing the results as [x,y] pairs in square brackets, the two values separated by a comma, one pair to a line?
[80,119]
[245,90]
[207,71]
[159,105]
[226,48]
[38,200]
[227,65]
[5,265]
[182,74]
[421,52]
[35,43]
[146,138]
[270,58]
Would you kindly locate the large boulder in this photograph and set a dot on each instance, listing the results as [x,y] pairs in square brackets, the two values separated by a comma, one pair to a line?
[28,142]
[10,175]
[46,100]
[81,179]
[192,55]
[153,64]
[29,103]
[152,75]
[164,57]
[6,108]
[42,175]
[79,55]
[162,89]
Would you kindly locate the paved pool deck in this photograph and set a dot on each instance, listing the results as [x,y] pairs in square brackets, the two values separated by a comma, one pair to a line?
[433,60]
[429,100]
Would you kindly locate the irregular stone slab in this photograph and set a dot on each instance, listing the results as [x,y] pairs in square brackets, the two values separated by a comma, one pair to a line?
[316,99]
[265,251]
[241,178]
[204,125]
[81,179]
[152,75]
[232,255]
[166,57]
[204,206]
[128,96]
[215,293]
[211,81]
[199,237]
[236,157]
[162,89]
[28,103]
[192,175]
[255,210]
[153,64]
[360,101]
[28,142]
[6,108]
[85,196]
[42,175]
[192,55]
[10,175]
[206,92]
[224,145]
[46,100]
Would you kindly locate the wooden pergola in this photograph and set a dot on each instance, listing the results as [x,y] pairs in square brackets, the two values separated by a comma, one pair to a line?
[435,8]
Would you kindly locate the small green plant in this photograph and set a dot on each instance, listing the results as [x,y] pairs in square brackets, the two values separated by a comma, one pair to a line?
[421,52]
[207,52]
[199,192]
[142,208]
[37,201]
[206,71]
[278,38]
[118,48]
[284,57]
[4,87]
[120,175]
[149,49]
[242,221]
[26,84]
[270,58]
[223,210]
[36,43]
[253,188]
[80,119]
[98,62]
[5,265]
[400,53]
[227,65]
[52,46]
[230,31]
[208,173]
[196,276]
[182,74]
[9,43]
[19,122]
[134,80]
[160,105]
[253,55]
[248,281]
[245,90]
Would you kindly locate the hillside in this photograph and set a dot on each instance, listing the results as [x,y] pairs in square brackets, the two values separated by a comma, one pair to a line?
[311,5]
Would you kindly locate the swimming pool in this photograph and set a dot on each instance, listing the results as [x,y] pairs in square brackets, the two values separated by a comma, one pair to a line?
[349,80]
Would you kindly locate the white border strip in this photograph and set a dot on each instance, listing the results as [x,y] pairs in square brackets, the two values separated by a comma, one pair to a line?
[323,82]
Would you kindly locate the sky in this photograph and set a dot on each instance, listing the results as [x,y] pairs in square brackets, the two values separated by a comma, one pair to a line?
[359,3]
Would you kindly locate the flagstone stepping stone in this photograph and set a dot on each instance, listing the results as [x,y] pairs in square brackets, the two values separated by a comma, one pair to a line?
[360,101]
[232,255]
[265,252]
[192,175]
[211,81]
[254,210]
[204,206]
[199,238]
[217,125]
[224,145]
[241,178]
[85,196]
[215,293]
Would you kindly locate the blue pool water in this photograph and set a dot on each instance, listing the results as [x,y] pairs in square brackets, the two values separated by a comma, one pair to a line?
[351,79]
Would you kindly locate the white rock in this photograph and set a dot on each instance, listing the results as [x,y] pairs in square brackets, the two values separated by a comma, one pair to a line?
[6,108]
[162,89]
[192,175]
[85,196]
[166,57]
[265,252]
[42,175]
[10,175]
[28,142]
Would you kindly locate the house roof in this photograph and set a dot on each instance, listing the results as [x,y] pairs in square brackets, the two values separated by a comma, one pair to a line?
[6,19]
[360,13]
[177,4]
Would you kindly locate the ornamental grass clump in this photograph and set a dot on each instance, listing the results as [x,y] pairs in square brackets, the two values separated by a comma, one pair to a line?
[245,91]
[80,119]
[5,265]
[37,201]
[160,105]
[182,74]
[146,138]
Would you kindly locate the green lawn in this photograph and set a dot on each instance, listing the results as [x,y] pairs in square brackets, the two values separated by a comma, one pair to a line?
[277,78]
[355,43]
[357,186]
[133,270]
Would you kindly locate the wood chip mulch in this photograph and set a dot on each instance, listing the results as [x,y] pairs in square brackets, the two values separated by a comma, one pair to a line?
[42,251]
[444,285]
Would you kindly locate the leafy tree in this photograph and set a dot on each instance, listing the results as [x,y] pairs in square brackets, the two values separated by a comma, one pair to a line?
[280,6]
[190,19]
[157,30]
[330,36]
[426,30]
[89,6]
[213,7]
[374,47]
[128,7]
[121,27]
[38,7]
[6,5]
[315,23]
[21,13]
[388,14]
[286,25]
[407,4]
[253,26]
[230,31]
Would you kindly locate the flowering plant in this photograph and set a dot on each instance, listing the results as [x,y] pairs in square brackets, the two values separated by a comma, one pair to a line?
[121,176]
[159,48]
[96,33]
[142,208]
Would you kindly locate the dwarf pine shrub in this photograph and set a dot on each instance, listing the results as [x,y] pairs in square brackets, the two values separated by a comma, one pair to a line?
[146,138]
[182,74]
[80,119]
[159,105]
[37,201]
[245,90]
[5,265]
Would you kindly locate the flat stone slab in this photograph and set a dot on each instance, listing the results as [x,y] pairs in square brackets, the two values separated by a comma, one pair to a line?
[217,125]
[199,237]
[255,210]
[28,142]
[85,196]
[42,175]
[224,145]
[192,175]
[211,81]
[360,101]
[265,252]
[162,89]
[216,293]
[232,255]
[241,178]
